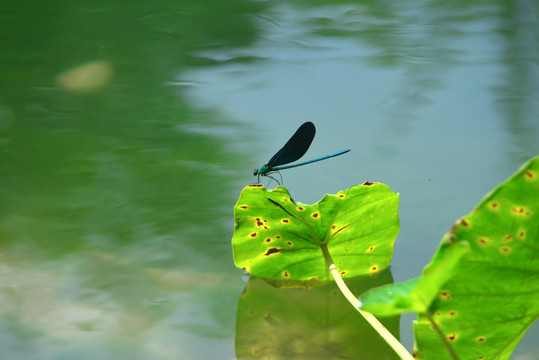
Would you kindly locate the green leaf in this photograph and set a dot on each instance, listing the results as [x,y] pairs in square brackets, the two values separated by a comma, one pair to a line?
[275,237]
[485,278]
[276,323]
[415,294]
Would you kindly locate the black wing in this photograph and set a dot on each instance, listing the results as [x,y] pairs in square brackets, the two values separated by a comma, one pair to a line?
[296,147]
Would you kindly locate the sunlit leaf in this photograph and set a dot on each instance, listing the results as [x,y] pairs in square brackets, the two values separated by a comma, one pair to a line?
[487,294]
[415,294]
[275,237]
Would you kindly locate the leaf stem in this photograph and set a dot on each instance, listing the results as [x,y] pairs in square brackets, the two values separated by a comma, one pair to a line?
[373,321]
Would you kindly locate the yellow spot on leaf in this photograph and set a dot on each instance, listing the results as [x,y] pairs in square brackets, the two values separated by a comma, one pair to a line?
[341,196]
[374,268]
[371,248]
[530,175]
[483,241]
[493,205]
[445,295]
[505,250]
[519,210]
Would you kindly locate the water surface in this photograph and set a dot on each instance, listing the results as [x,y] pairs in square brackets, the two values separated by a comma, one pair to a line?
[127,131]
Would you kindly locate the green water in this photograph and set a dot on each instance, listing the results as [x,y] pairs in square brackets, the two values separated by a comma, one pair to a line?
[127,130]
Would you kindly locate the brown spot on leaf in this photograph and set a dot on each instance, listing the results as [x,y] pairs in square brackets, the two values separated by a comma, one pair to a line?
[268,240]
[243,207]
[272,251]
[452,337]
[315,215]
[253,234]
[446,295]
[371,248]
[481,339]
[505,250]
[493,205]
[374,268]
[289,243]
[507,238]
[483,241]
[286,274]
[301,208]
[530,175]
[256,352]
[285,221]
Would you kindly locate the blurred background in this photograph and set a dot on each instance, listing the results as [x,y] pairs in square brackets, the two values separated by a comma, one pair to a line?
[128,129]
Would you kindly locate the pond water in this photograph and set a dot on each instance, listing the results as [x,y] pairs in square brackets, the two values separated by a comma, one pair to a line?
[127,131]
